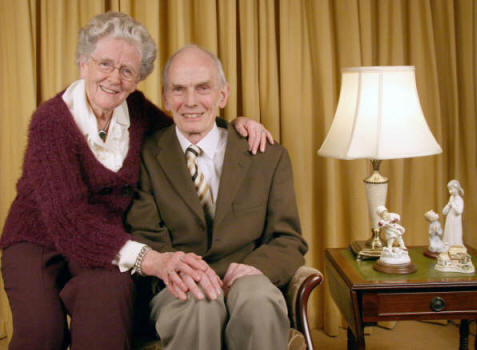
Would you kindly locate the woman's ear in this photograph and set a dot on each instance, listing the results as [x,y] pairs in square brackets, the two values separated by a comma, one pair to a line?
[83,66]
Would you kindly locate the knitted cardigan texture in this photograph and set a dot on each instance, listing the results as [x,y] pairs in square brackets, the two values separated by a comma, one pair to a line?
[66,199]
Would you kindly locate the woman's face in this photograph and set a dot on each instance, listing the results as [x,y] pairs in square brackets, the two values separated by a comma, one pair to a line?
[106,91]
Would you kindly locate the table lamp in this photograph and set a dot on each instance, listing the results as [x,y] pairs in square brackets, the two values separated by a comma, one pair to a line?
[378,117]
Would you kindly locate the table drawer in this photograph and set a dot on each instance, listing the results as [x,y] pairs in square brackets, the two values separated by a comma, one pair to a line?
[378,306]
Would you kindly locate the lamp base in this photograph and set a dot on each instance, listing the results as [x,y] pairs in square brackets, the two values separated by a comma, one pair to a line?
[375,241]
[364,251]
[370,249]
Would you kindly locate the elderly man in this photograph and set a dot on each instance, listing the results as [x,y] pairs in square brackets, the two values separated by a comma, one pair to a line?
[222,224]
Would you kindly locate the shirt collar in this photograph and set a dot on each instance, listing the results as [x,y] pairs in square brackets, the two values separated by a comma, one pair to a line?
[208,143]
[75,99]
[122,114]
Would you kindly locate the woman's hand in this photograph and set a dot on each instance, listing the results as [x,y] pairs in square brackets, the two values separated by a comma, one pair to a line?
[167,267]
[256,133]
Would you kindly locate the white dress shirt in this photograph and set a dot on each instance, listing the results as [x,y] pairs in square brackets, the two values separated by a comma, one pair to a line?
[212,158]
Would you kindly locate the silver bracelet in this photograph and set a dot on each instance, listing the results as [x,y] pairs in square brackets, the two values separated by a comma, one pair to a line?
[140,258]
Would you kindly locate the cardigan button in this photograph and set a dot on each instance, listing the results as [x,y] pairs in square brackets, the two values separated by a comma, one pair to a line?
[105,191]
[126,191]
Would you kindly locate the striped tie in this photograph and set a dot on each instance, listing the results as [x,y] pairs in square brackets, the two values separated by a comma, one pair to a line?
[201,186]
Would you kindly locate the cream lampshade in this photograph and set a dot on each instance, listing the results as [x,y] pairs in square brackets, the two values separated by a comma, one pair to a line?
[378,117]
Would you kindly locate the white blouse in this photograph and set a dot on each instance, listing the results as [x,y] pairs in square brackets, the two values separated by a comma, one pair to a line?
[112,152]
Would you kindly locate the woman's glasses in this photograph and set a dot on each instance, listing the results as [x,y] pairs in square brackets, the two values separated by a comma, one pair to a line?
[107,66]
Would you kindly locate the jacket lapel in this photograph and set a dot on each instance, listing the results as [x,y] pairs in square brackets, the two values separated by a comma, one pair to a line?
[172,161]
[236,163]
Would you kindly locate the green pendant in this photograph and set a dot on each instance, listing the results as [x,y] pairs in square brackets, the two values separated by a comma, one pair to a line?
[102,135]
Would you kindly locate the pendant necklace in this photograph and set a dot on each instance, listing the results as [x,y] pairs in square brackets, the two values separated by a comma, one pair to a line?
[102,133]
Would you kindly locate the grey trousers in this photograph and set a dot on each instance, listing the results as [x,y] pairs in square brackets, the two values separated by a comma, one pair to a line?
[253,316]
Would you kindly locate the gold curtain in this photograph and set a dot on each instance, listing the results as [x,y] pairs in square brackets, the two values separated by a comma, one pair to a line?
[283,60]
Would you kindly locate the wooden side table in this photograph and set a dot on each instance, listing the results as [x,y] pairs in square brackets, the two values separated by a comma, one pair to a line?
[365,296]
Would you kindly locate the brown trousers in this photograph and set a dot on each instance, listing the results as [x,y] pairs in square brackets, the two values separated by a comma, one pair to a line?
[43,287]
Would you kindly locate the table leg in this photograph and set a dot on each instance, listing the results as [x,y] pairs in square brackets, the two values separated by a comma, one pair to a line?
[355,344]
[475,339]
[464,335]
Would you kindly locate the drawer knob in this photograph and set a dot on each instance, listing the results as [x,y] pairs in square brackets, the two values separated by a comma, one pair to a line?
[438,304]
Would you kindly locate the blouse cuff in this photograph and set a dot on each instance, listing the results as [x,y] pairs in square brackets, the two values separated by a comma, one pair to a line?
[127,256]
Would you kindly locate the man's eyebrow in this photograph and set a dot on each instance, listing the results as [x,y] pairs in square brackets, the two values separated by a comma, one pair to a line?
[180,85]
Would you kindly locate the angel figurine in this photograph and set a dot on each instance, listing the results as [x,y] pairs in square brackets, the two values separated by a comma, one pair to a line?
[453,211]
[436,245]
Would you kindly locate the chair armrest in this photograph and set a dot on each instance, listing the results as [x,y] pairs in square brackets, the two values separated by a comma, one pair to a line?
[299,289]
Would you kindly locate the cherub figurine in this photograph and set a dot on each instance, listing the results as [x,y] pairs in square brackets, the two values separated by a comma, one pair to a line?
[453,211]
[393,259]
[436,245]
[390,224]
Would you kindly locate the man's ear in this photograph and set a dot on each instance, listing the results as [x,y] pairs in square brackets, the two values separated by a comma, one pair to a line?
[165,100]
[224,95]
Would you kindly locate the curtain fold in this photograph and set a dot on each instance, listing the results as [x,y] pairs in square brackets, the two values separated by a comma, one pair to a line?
[283,60]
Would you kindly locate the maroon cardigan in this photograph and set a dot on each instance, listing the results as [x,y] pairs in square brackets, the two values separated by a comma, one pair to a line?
[66,199]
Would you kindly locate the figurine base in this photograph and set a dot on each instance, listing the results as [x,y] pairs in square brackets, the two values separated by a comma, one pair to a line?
[400,269]
[363,251]
[429,254]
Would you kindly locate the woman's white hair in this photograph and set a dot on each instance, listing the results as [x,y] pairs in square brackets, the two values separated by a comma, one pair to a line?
[117,25]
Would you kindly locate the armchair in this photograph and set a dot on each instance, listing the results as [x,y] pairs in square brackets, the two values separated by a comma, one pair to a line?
[297,295]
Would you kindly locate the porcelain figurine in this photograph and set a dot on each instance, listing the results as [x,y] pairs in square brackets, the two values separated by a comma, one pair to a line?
[436,245]
[453,212]
[393,259]
[389,223]
[456,259]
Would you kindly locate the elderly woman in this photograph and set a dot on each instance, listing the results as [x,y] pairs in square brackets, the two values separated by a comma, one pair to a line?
[65,247]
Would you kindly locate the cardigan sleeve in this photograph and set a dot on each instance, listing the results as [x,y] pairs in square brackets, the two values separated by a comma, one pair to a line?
[82,229]
[155,118]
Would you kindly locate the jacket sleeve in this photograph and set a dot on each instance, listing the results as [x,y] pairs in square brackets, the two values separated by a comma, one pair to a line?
[53,169]
[144,220]
[281,250]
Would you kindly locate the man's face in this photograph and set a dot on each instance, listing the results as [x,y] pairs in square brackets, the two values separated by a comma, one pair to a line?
[194,94]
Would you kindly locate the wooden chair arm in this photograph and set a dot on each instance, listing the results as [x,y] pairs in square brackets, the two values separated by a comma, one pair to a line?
[299,289]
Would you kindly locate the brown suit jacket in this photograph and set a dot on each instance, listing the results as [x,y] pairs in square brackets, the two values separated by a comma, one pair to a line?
[256,220]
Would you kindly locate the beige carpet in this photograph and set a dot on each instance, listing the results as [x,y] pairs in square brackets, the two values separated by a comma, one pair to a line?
[405,335]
